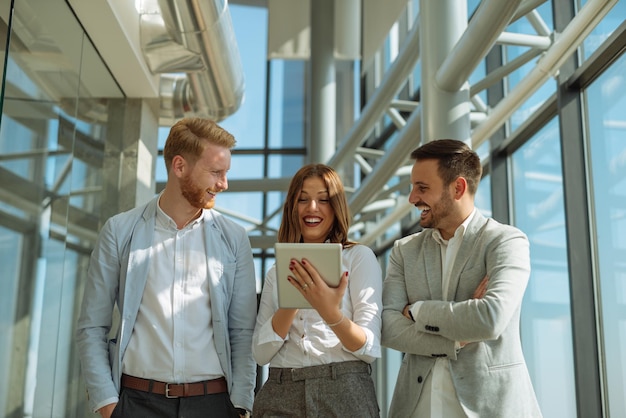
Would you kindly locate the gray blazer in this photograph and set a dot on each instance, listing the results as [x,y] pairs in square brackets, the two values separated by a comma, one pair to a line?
[489,374]
[117,275]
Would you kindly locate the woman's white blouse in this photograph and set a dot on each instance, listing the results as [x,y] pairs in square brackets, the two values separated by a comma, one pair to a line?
[310,342]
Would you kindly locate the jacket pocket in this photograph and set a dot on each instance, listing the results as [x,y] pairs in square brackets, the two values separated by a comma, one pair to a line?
[505,367]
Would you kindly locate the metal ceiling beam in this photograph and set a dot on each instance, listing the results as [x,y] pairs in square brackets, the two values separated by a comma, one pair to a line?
[490,19]
[401,210]
[565,44]
[391,83]
[402,145]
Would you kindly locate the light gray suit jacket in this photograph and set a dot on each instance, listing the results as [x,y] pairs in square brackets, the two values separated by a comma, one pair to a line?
[489,373]
[117,275]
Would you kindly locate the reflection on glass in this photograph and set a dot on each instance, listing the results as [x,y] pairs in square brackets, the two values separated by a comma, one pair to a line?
[53,131]
[606,101]
[546,320]
[10,252]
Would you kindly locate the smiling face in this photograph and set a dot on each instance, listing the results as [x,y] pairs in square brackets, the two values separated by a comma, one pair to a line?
[315,213]
[433,198]
[203,179]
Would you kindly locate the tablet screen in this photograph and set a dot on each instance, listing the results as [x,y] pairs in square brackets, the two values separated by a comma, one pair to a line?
[326,258]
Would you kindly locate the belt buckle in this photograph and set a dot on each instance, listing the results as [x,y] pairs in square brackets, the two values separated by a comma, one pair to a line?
[167,392]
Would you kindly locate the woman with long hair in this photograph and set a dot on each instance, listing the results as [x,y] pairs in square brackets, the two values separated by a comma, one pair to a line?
[320,358]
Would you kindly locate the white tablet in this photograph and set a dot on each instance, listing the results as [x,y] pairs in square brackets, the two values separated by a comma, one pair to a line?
[326,258]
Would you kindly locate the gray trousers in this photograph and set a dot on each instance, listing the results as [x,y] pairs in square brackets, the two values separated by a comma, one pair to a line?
[344,389]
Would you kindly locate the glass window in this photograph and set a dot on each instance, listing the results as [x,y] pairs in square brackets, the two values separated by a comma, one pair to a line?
[513,51]
[605,101]
[246,167]
[546,320]
[56,95]
[287,112]
[10,254]
[605,28]
[482,201]
[247,124]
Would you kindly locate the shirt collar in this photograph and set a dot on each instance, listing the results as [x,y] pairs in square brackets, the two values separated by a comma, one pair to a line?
[458,233]
[166,221]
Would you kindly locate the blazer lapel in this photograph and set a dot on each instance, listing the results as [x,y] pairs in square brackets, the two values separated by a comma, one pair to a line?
[466,250]
[433,267]
[213,248]
[139,256]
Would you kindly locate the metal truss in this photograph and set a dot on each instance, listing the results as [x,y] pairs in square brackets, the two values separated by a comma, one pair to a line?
[380,201]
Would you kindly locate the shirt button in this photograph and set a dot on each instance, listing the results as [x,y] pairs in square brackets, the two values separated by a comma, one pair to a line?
[419,379]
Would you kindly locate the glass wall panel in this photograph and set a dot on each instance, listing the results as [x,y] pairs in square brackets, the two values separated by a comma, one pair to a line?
[11,246]
[524,26]
[284,165]
[482,201]
[604,29]
[247,124]
[546,321]
[287,104]
[247,167]
[52,141]
[605,101]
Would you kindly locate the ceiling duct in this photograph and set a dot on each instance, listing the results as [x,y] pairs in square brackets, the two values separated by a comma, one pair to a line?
[196,38]
[176,101]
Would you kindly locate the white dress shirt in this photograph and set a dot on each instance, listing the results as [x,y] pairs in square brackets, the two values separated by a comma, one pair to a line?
[173,336]
[438,398]
[310,341]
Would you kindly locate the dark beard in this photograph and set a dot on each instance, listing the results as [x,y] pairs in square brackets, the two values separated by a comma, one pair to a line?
[438,212]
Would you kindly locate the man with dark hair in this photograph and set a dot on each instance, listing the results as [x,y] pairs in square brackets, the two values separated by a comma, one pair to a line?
[452,298]
[182,277]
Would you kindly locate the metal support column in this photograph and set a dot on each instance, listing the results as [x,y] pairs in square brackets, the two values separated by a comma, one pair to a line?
[323,88]
[130,154]
[445,114]
[578,215]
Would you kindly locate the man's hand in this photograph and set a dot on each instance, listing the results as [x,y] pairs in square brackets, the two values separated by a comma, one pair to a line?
[481,289]
[243,413]
[107,410]
[407,312]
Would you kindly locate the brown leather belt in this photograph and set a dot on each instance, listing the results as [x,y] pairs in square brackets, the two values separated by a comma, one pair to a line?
[175,390]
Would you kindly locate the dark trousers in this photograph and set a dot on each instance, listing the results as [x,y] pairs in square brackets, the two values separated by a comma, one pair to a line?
[135,404]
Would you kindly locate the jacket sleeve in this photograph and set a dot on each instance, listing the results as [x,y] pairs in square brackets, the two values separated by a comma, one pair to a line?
[96,316]
[365,288]
[507,259]
[266,343]
[241,318]
[399,332]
